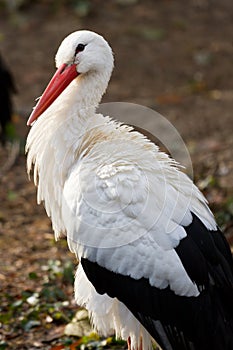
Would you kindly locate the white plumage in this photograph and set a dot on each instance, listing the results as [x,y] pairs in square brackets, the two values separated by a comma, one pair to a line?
[122,203]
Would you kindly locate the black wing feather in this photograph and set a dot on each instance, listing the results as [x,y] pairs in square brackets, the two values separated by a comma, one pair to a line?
[178,322]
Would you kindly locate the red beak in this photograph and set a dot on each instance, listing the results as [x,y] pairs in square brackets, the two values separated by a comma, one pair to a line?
[61,79]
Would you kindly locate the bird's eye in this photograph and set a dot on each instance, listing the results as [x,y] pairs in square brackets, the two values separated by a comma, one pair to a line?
[79,48]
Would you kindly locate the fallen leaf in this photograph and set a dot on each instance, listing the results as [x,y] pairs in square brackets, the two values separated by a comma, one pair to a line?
[54,333]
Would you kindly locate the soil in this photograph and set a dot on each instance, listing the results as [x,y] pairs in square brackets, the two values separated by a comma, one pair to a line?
[172,56]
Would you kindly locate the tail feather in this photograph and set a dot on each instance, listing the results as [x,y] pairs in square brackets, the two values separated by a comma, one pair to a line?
[209,328]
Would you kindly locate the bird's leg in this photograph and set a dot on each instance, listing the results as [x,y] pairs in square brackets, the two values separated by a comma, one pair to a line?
[129,344]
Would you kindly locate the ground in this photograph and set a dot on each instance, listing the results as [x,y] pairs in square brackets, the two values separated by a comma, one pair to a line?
[172,56]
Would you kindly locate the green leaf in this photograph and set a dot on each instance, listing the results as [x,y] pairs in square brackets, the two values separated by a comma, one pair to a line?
[5,318]
[32,275]
[26,294]
[3,345]
[67,341]
[52,294]
[68,273]
[11,195]
[17,304]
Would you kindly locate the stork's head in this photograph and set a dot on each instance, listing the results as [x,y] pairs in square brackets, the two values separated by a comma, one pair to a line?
[80,53]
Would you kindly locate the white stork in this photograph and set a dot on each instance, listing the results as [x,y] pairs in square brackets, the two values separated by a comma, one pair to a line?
[153,263]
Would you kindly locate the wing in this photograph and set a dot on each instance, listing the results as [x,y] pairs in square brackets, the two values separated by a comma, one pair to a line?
[145,235]
[121,210]
[176,322]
